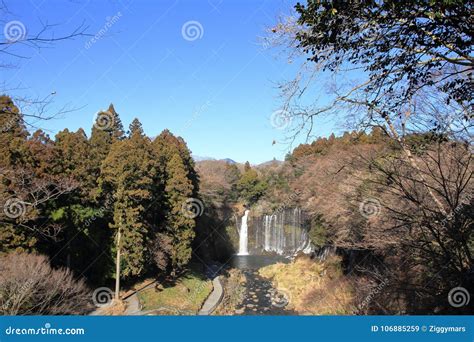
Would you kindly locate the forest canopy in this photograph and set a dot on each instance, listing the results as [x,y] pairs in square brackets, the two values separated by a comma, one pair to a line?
[78,199]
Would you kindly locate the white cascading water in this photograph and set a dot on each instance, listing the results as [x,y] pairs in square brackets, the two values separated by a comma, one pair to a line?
[283,232]
[243,238]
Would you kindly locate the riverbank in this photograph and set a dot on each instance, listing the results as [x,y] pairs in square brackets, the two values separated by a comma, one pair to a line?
[247,293]
[312,287]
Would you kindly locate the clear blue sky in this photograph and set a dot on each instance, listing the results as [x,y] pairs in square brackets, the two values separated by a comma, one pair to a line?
[217,92]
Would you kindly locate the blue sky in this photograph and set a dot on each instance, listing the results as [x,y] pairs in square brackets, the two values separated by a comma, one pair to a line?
[218,91]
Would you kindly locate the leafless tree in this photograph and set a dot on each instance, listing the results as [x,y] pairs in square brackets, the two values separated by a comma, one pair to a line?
[16,45]
[344,91]
[429,251]
[29,286]
[22,199]
[332,87]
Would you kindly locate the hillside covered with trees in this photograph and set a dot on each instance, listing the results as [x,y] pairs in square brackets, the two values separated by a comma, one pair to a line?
[385,209]
[115,205]
[370,206]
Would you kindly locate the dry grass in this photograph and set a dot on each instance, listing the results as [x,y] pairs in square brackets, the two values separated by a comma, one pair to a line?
[312,287]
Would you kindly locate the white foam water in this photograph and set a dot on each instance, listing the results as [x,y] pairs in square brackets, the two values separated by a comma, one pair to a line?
[244,238]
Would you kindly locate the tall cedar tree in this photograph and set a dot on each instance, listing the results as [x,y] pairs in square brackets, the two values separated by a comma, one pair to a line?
[183,185]
[180,227]
[127,173]
[78,213]
[103,136]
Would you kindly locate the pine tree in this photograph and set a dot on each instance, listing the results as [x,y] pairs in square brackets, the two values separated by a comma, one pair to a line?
[251,188]
[78,213]
[166,145]
[181,183]
[73,158]
[135,128]
[128,175]
[13,133]
[180,227]
[117,127]
[232,176]
[107,129]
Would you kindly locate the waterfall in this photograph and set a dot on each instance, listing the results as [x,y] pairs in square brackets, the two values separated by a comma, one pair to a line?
[243,239]
[284,232]
[323,252]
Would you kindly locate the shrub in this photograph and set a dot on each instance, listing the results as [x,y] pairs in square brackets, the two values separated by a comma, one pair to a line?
[28,285]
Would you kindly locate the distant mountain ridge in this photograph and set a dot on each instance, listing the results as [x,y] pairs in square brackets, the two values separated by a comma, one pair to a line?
[202,158]
[272,162]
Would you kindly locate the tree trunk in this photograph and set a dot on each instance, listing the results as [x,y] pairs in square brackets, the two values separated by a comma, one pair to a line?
[117,268]
[413,163]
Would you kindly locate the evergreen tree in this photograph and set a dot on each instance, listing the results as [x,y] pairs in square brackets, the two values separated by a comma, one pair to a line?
[13,137]
[250,187]
[82,219]
[74,158]
[126,183]
[180,183]
[135,128]
[13,133]
[166,145]
[117,127]
[232,176]
[180,227]
[107,129]
[128,175]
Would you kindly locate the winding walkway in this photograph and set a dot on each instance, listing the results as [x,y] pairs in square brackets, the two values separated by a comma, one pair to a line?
[214,298]
[134,307]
